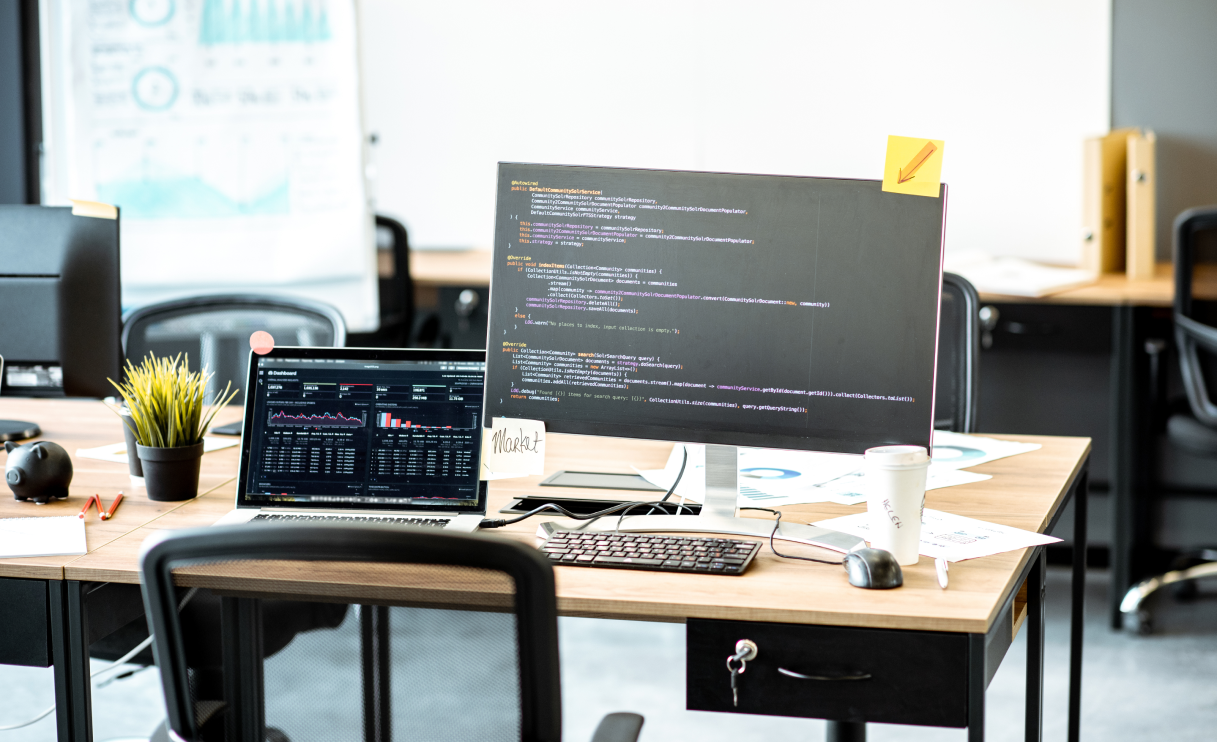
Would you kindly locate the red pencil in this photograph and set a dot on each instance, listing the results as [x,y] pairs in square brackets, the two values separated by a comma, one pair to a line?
[113,506]
[89,504]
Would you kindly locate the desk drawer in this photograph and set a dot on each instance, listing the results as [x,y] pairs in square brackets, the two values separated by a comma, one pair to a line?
[915,677]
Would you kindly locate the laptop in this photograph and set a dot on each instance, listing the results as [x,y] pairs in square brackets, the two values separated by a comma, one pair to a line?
[384,434]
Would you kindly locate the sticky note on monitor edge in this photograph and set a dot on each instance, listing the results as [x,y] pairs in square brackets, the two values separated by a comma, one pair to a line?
[514,447]
[94,209]
[913,166]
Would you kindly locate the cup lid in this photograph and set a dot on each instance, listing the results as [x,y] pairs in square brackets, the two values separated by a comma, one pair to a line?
[897,455]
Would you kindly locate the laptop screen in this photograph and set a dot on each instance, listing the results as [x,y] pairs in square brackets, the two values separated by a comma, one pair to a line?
[345,428]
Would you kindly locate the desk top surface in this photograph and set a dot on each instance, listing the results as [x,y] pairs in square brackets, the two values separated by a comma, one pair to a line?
[1026,491]
[472,268]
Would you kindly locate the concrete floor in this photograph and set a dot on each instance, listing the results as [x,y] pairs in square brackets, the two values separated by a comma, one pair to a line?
[1135,688]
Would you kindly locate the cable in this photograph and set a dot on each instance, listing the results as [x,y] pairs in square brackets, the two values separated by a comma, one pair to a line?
[777,522]
[113,665]
[679,474]
[499,523]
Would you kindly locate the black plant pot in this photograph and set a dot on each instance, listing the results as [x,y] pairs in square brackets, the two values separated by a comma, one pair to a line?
[171,474]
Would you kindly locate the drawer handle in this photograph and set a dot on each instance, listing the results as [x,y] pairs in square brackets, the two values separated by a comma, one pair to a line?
[801,676]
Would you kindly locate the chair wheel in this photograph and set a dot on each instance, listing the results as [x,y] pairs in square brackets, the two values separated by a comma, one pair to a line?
[1139,623]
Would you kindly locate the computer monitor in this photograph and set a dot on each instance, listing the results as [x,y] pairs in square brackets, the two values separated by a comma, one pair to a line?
[726,309]
[60,311]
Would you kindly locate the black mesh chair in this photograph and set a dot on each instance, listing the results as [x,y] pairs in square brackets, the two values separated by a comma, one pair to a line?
[395,286]
[214,331]
[447,637]
[1190,454]
[958,356]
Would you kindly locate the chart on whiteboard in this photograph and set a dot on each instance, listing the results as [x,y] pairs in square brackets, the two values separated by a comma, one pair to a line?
[227,131]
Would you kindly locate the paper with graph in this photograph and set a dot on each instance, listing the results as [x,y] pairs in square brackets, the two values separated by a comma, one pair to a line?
[229,134]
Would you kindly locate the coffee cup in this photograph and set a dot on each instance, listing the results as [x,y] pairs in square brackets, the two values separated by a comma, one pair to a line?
[895,499]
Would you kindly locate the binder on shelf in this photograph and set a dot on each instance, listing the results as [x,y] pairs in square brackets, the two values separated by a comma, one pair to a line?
[1142,182]
[1118,203]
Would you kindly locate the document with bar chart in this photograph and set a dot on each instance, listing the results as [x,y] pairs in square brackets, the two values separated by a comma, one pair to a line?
[227,131]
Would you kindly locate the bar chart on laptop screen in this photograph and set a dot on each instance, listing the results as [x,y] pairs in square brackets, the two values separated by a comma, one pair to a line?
[380,434]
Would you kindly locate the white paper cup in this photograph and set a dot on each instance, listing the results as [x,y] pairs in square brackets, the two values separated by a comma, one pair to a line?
[895,499]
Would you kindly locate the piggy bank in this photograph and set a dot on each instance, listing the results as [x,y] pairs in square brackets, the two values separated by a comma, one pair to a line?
[38,472]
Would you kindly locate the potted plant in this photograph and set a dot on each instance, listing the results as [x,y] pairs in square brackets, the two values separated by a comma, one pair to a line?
[166,405]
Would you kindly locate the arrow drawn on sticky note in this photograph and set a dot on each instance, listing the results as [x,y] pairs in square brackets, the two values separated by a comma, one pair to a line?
[908,172]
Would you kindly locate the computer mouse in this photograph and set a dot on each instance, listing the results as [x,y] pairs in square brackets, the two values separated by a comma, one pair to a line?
[875,569]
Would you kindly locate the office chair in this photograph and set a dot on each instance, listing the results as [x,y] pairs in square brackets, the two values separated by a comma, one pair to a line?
[396,289]
[1193,433]
[214,331]
[457,639]
[958,356]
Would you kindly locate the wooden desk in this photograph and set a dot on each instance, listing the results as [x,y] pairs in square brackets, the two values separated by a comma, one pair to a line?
[984,607]
[47,618]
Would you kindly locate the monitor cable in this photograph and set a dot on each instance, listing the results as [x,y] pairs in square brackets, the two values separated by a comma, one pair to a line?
[777,521]
[112,666]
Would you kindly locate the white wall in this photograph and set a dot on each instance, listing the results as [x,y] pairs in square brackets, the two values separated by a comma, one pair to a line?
[807,88]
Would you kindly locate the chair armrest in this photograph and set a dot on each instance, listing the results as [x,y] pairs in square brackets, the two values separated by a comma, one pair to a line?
[619,727]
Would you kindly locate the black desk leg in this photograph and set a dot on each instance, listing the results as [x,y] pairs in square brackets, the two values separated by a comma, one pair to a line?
[70,652]
[845,731]
[1123,456]
[1033,729]
[241,635]
[374,635]
[1077,612]
[976,687]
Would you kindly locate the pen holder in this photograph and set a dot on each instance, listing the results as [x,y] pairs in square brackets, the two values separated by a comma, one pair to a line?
[171,474]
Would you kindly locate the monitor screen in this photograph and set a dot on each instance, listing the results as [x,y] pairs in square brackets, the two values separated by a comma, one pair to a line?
[328,428]
[776,311]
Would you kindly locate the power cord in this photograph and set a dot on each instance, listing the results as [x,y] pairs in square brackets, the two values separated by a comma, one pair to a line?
[626,507]
[112,666]
[777,521]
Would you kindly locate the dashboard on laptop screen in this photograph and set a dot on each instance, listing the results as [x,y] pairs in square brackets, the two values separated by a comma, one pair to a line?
[364,434]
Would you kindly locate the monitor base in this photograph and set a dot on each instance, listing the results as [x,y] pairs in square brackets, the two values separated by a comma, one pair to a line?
[17,430]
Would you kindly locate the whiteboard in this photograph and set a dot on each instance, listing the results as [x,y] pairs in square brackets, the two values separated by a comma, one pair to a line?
[228,132]
[802,88]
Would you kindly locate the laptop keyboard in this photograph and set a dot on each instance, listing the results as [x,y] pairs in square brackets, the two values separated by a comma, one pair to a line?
[394,520]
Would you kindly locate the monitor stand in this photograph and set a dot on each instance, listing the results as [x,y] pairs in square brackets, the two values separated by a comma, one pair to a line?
[719,514]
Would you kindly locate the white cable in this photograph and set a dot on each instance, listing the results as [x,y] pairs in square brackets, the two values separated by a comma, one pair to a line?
[120,661]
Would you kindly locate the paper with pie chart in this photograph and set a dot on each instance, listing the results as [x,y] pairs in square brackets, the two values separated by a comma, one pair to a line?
[773,478]
[961,451]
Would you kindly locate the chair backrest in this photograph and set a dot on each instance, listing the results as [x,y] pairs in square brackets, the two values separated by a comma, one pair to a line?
[214,331]
[1195,333]
[396,286]
[454,637]
[958,356]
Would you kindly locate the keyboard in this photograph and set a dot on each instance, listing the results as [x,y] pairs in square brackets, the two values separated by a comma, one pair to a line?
[720,556]
[390,519]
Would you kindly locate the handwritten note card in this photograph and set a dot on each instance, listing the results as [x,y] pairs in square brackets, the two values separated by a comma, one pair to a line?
[515,447]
